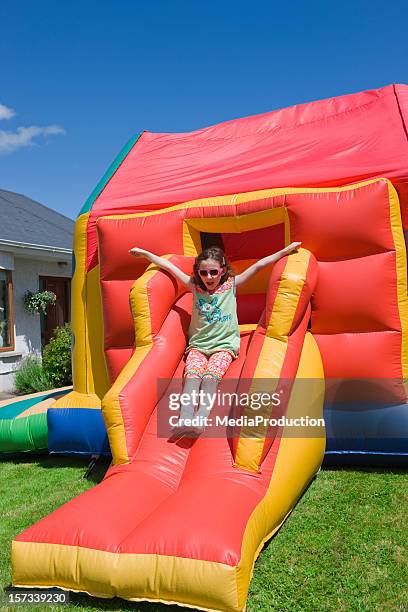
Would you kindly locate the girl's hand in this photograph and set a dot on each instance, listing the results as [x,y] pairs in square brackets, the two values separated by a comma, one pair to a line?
[293,246]
[137,252]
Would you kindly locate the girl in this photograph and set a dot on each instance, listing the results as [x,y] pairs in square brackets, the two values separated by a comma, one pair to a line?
[214,333]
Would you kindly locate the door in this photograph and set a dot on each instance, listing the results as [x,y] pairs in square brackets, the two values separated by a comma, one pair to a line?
[59,314]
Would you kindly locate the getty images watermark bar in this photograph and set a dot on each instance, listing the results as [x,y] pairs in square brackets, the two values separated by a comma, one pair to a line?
[263,408]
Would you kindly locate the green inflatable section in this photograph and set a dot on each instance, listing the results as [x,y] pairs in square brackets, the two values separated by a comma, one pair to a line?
[19,433]
[25,434]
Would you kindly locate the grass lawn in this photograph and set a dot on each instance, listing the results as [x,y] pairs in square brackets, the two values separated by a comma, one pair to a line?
[343,548]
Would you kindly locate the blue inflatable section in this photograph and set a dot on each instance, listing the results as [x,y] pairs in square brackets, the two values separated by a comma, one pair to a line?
[77,431]
[354,431]
[360,430]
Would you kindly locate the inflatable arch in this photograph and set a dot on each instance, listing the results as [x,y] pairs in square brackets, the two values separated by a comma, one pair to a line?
[184,523]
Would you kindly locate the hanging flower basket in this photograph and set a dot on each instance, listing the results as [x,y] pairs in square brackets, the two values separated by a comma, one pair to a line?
[38,301]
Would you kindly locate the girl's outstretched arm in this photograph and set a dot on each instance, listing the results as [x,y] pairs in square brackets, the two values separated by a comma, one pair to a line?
[246,274]
[163,263]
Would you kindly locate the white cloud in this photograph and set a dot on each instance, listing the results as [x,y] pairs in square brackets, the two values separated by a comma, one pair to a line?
[25,136]
[6,112]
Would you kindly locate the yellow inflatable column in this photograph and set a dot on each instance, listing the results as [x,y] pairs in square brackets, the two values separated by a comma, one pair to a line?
[90,377]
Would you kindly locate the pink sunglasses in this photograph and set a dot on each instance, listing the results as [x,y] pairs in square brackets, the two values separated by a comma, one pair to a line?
[212,272]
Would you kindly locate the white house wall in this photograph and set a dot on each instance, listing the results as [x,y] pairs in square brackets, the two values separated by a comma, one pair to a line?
[6,261]
[27,330]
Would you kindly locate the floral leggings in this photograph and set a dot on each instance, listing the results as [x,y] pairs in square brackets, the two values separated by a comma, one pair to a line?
[199,365]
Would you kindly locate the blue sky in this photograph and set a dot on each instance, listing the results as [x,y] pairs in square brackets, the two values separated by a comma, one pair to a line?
[82,77]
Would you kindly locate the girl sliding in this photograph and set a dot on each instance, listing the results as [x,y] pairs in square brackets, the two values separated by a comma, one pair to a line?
[214,338]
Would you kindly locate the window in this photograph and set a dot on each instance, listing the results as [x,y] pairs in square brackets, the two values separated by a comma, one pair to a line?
[6,312]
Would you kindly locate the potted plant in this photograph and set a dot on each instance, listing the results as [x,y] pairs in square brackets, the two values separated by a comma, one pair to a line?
[36,302]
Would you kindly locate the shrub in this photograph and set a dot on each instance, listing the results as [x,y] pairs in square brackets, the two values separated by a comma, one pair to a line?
[57,357]
[30,377]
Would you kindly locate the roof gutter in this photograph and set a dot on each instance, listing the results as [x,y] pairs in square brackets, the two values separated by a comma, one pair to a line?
[35,247]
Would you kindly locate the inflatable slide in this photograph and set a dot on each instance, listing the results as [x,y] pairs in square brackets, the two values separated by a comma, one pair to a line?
[183,523]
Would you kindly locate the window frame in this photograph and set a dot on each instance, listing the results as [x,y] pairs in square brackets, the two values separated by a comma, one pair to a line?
[9,281]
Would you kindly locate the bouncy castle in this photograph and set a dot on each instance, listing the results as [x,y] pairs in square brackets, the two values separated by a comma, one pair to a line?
[184,523]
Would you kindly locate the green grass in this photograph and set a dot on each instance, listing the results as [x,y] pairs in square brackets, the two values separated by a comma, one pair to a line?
[343,548]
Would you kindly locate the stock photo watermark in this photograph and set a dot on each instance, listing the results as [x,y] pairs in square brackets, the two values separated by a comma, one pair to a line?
[257,408]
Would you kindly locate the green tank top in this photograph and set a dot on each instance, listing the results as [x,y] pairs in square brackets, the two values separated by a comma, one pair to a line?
[214,321]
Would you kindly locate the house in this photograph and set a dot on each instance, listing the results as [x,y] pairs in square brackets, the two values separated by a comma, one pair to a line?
[35,255]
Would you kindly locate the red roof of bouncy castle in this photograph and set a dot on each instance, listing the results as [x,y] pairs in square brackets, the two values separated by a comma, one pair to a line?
[325,143]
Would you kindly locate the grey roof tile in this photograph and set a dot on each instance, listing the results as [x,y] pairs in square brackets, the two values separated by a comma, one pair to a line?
[28,221]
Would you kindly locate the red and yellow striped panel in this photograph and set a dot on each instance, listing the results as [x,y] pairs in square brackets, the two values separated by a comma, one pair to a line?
[274,355]
[160,339]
